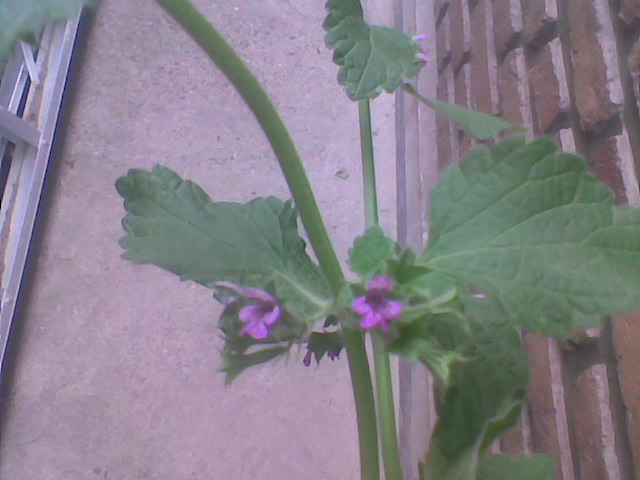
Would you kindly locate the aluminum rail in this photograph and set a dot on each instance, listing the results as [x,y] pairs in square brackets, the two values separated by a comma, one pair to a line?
[31,88]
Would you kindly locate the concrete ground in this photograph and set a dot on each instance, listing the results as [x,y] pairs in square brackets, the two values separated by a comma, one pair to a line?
[115,365]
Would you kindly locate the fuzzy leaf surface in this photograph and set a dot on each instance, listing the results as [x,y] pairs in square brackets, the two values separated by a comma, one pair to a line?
[532,227]
[24,19]
[371,58]
[172,223]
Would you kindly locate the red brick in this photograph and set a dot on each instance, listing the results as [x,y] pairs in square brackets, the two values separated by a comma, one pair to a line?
[507,20]
[466,143]
[540,19]
[592,92]
[460,34]
[548,432]
[592,420]
[626,337]
[634,67]
[440,7]
[444,129]
[443,44]
[548,87]
[516,441]
[513,89]
[605,163]
[629,10]
[460,82]
[482,65]
[461,96]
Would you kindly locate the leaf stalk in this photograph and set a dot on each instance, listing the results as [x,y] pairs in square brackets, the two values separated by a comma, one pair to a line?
[382,366]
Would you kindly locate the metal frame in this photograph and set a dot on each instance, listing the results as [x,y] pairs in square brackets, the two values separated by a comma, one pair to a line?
[31,91]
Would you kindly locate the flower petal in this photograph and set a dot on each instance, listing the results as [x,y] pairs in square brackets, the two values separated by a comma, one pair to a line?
[252,314]
[270,318]
[361,307]
[372,320]
[260,295]
[391,309]
[256,330]
[248,292]
[380,283]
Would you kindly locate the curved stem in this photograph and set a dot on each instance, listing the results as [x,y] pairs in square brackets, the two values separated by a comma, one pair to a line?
[384,386]
[225,57]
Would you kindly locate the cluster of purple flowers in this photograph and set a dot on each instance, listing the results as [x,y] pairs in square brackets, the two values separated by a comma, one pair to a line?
[264,311]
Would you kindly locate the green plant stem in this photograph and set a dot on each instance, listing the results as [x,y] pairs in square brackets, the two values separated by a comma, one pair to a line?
[225,57]
[382,367]
[368,165]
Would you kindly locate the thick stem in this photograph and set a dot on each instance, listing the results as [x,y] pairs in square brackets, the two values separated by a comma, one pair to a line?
[384,386]
[224,56]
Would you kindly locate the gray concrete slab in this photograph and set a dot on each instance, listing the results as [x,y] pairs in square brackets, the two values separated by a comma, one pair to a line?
[115,376]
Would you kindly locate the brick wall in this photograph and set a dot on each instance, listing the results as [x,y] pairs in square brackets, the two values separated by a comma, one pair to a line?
[569,69]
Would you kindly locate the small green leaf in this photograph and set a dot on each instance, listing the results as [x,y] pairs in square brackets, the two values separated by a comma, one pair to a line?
[24,19]
[234,364]
[531,227]
[323,343]
[432,340]
[479,125]
[172,223]
[487,388]
[503,467]
[371,251]
[371,58]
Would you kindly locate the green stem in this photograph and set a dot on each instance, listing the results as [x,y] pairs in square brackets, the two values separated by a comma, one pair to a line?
[225,57]
[368,165]
[384,386]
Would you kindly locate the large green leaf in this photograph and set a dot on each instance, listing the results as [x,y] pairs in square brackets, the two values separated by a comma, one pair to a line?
[172,223]
[503,467]
[477,124]
[371,58]
[24,19]
[530,226]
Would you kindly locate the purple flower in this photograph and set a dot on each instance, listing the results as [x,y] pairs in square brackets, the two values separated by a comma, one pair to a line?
[422,55]
[375,308]
[262,313]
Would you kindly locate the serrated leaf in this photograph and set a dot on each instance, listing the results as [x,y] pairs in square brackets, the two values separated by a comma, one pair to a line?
[371,251]
[172,223]
[24,19]
[503,467]
[531,227]
[371,58]
[477,124]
